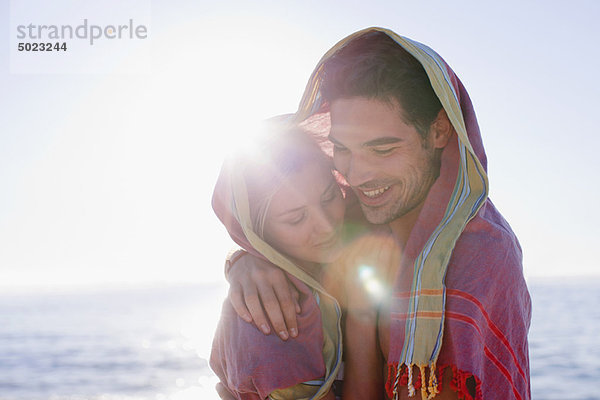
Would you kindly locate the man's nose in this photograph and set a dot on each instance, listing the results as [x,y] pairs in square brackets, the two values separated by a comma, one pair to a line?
[357,170]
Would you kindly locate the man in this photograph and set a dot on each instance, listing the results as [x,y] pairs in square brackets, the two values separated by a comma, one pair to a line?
[407,143]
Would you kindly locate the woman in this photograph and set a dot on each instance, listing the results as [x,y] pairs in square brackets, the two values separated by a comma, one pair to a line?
[283,203]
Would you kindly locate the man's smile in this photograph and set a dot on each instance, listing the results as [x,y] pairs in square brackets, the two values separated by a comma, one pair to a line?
[374,196]
[374,193]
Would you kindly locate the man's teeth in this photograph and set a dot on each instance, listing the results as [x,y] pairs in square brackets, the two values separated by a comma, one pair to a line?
[377,192]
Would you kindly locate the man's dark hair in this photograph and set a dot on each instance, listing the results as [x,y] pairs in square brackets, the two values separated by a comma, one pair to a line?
[375,66]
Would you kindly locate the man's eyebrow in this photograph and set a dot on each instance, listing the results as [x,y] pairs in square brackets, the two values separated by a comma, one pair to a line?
[371,143]
[333,140]
[382,141]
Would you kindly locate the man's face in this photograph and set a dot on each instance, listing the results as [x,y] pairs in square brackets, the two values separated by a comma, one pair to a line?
[386,162]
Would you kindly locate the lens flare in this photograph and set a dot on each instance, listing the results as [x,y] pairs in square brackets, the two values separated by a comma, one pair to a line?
[372,284]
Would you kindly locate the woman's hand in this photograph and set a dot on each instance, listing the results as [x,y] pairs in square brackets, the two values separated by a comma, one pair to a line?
[258,287]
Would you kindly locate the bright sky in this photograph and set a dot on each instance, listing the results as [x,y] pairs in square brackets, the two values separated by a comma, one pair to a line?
[107,178]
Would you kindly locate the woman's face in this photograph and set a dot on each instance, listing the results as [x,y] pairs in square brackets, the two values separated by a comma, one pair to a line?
[305,216]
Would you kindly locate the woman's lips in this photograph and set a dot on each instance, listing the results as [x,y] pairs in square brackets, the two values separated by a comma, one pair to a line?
[328,242]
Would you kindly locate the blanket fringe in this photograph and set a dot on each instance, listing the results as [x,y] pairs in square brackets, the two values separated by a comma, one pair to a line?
[433,381]
[424,394]
[459,385]
[411,387]
[396,381]
[403,376]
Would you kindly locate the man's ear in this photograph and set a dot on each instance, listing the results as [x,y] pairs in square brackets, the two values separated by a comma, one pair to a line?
[441,130]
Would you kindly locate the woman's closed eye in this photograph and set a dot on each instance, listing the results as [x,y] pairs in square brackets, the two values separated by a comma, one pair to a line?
[296,219]
[329,196]
[383,150]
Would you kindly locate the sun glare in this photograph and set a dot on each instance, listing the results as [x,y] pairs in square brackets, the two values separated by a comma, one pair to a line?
[372,284]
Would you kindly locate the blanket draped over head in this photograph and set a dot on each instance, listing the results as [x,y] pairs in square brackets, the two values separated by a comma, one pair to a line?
[251,365]
[459,297]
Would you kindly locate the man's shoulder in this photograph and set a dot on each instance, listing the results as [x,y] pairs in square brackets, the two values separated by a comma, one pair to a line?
[487,264]
[488,233]
[486,253]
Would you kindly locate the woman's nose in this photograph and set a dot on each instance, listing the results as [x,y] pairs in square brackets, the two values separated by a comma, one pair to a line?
[323,222]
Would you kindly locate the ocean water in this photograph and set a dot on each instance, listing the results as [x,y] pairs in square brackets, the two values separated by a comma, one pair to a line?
[115,344]
[564,339]
[153,343]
